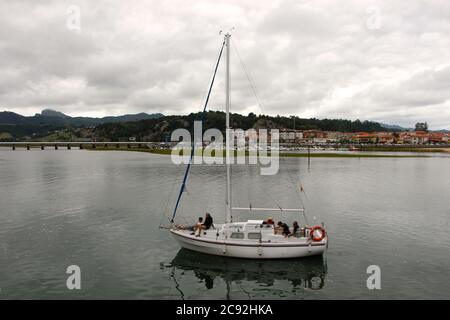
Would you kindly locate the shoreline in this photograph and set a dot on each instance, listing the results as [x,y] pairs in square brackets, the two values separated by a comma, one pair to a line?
[436,149]
[281,154]
[362,152]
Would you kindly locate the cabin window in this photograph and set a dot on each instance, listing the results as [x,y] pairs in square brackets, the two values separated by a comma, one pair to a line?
[254,235]
[237,235]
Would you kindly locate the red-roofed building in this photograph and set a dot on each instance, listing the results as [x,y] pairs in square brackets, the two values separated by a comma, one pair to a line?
[419,137]
[310,134]
[385,137]
[436,137]
[365,137]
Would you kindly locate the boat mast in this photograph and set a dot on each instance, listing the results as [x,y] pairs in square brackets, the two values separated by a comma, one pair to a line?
[228,129]
[183,185]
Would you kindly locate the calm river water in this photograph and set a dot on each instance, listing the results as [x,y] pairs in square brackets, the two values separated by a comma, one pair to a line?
[102,212]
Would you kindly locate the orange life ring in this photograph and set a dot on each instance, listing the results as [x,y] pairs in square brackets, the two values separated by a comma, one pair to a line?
[317,233]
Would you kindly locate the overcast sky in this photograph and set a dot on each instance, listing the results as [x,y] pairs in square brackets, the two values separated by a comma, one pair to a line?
[386,61]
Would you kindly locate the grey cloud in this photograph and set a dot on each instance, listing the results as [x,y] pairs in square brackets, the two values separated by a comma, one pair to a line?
[425,88]
[309,58]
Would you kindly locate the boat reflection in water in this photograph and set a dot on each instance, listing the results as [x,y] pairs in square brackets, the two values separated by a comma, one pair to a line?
[305,273]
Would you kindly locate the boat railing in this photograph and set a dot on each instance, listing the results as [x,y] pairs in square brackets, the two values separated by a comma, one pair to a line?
[267,209]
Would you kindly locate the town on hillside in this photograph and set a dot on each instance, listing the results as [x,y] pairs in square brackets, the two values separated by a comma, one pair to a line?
[318,137]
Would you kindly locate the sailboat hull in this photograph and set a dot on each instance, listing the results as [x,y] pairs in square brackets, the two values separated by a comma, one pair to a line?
[256,250]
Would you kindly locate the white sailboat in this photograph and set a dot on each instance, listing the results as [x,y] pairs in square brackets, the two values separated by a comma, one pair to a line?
[252,239]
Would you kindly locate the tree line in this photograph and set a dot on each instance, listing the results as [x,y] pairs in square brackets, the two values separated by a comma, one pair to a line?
[160,129]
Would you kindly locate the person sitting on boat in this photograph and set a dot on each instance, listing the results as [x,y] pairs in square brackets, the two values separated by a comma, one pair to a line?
[295,229]
[278,229]
[269,221]
[208,222]
[284,228]
[198,227]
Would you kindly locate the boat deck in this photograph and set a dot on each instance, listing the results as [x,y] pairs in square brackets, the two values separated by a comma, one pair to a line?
[252,232]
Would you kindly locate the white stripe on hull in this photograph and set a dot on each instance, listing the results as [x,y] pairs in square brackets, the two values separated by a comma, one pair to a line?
[265,251]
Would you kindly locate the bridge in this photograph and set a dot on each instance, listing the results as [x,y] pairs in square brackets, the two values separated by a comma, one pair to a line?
[81,144]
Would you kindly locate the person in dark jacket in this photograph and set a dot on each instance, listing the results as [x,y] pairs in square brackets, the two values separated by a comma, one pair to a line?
[295,229]
[208,222]
[285,228]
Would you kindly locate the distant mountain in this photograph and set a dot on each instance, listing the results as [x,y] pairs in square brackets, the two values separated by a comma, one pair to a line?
[11,118]
[131,117]
[395,127]
[50,120]
[53,113]
[48,116]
